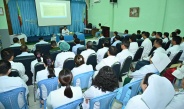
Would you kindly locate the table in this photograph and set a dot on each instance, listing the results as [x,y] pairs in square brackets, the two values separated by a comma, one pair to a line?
[70,37]
[22,38]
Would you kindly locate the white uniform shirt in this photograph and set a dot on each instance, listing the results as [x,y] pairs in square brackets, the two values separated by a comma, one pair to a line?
[40,42]
[86,54]
[57,98]
[123,55]
[177,102]
[165,40]
[65,32]
[61,57]
[116,42]
[81,69]
[43,74]
[74,48]
[33,63]
[133,48]
[112,38]
[25,54]
[100,53]
[174,50]
[99,39]
[20,67]
[15,45]
[147,44]
[182,48]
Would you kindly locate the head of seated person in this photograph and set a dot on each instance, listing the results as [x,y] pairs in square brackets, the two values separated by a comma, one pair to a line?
[40,39]
[158,42]
[159,35]
[132,38]
[125,44]
[64,28]
[166,35]
[15,40]
[7,54]
[105,80]
[79,60]
[117,38]
[24,48]
[38,55]
[61,37]
[153,33]
[145,35]
[74,36]
[106,43]
[77,41]
[115,33]
[138,32]
[49,64]
[89,45]
[5,67]
[173,34]
[64,46]
[53,44]
[126,32]
[112,51]
[178,31]
[176,40]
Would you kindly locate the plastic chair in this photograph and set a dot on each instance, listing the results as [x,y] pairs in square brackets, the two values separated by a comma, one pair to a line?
[101,42]
[138,54]
[128,91]
[14,73]
[80,49]
[154,48]
[139,42]
[50,84]
[105,101]
[85,79]
[72,105]
[16,50]
[69,64]
[92,60]
[9,99]
[71,43]
[118,46]
[175,58]
[105,55]
[44,48]
[167,45]
[116,68]
[54,54]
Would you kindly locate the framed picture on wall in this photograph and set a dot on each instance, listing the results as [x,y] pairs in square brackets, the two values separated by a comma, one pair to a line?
[134,12]
[1,11]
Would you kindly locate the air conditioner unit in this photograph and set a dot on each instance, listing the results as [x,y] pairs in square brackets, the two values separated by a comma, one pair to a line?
[96,1]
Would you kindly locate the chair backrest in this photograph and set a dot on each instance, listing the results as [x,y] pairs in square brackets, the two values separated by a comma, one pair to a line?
[16,51]
[116,68]
[72,105]
[139,42]
[9,99]
[14,73]
[85,78]
[80,49]
[175,58]
[69,64]
[38,66]
[105,55]
[154,48]
[167,45]
[92,60]
[128,91]
[44,48]
[105,101]
[125,66]
[118,46]
[168,54]
[101,42]
[54,54]
[138,54]
[71,43]
[163,45]
[46,86]
[82,42]
[152,40]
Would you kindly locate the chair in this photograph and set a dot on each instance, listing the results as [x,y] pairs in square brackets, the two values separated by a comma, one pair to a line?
[105,101]
[101,42]
[167,45]
[128,91]
[163,45]
[54,54]
[85,79]
[139,42]
[44,48]
[50,85]
[80,49]
[16,50]
[72,105]
[9,99]
[116,68]
[125,67]
[71,43]
[105,55]
[14,73]
[92,60]
[154,48]
[118,46]
[69,64]
[138,54]
[82,42]
[152,40]
[26,61]
[175,58]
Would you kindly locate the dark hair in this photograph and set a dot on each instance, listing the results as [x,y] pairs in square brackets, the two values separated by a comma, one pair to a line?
[158,41]
[126,43]
[126,31]
[77,40]
[6,54]
[15,40]
[89,44]
[133,38]
[178,31]
[117,37]
[177,39]
[40,38]
[65,78]
[79,60]
[38,55]
[112,50]
[4,66]
[138,31]
[146,34]
[74,36]
[143,32]
[106,79]
[61,37]
[53,43]
[166,34]
[159,33]
[154,32]
[50,67]
[145,80]
[173,34]
[64,27]
[100,24]
[116,33]
[23,48]
[106,43]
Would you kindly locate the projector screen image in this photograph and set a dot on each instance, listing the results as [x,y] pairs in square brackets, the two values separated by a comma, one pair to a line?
[53,12]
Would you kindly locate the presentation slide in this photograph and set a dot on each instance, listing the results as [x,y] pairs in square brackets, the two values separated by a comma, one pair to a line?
[53,12]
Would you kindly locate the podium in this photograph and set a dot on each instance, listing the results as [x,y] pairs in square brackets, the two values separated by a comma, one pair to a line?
[106,31]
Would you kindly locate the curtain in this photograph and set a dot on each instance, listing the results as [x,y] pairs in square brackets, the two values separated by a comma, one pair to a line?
[29,18]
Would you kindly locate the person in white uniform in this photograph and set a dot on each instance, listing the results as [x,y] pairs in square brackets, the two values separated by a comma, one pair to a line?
[16,42]
[61,40]
[157,65]
[65,54]
[102,51]
[24,51]
[133,45]
[77,45]
[166,37]
[182,48]
[176,40]
[101,36]
[41,41]
[125,33]
[153,34]
[8,55]
[159,35]
[178,31]
[65,31]
[66,94]
[88,52]
[112,38]
[104,83]
[179,72]
[157,93]
[125,52]
[147,44]
[38,59]
[117,40]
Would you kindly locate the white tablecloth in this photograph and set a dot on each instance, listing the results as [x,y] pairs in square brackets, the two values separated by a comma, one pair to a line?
[20,36]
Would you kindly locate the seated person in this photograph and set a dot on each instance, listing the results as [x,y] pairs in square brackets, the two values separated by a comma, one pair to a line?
[24,50]
[133,45]
[65,31]
[61,40]
[147,44]
[16,42]
[153,35]
[159,35]
[8,55]
[117,40]
[97,34]
[125,33]
[77,45]
[101,36]
[41,41]
[88,51]
[65,54]
[102,51]
[138,35]
[104,83]
[112,38]
[53,38]
[66,94]
[154,94]
[54,46]
[38,56]
[166,37]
